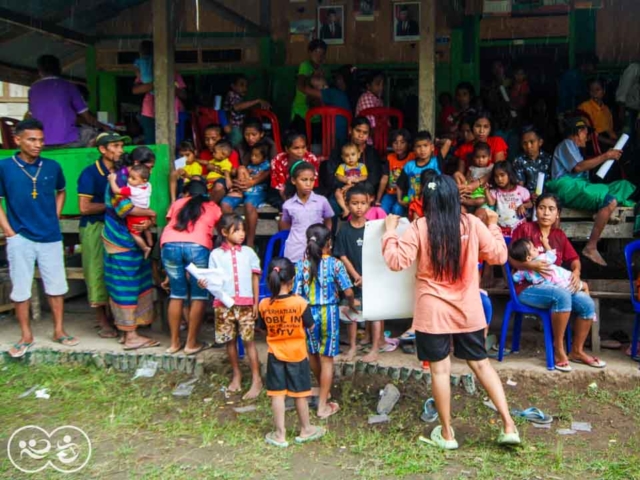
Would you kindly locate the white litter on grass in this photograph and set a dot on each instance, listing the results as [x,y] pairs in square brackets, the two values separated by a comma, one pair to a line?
[374,419]
[43,393]
[247,409]
[546,426]
[147,370]
[511,383]
[488,403]
[565,431]
[185,389]
[581,426]
[28,392]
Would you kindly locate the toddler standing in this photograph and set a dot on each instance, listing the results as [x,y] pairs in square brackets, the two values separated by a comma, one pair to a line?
[242,271]
[138,190]
[287,316]
[510,200]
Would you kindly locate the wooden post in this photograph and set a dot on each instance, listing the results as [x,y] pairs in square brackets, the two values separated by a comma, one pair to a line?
[92,77]
[163,74]
[427,66]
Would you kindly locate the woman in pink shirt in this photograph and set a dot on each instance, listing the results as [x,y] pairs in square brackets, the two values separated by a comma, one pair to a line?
[188,238]
[448,246]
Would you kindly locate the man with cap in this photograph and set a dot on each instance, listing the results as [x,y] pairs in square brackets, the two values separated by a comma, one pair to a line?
[92,185]
[570,172]
[33,189]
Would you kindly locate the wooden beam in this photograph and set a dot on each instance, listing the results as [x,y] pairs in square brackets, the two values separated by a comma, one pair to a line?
[233,16]
[44,27]
[163,74]
[91,69]
[18,75]
[427,66]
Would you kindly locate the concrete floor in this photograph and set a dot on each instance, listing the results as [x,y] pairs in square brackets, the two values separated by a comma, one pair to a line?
[79,321]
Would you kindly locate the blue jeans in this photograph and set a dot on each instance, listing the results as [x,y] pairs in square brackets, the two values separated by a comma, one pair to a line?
[390,204]
[559,300]
[175,258]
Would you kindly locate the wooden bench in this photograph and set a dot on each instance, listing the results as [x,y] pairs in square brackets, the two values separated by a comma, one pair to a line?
[598,290]
[577,224]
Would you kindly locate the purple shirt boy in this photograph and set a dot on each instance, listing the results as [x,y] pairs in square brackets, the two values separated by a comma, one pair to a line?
[301,216]
[56,103]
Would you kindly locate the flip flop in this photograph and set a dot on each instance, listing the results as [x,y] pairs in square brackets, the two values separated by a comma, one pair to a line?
[533,415]
[319,433]
[105,333]
[203,346]
[270,439]
[150,343]
[335,408]
[439,441]
[171,351]
[563,367]
[408,336]
[388,399]
[596,363]
[389,347]
[408,348]
[67,341]
[429,413]
[509,439]
[21,349]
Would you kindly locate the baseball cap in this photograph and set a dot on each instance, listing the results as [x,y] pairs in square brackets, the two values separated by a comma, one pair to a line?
[111,137]
[577,123]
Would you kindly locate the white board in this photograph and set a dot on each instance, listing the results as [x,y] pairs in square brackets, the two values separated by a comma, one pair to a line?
[386,295]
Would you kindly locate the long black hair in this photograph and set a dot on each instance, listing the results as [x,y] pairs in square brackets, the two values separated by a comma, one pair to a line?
[191,211]
[294,172]
[138,154]
[506,167]
[281,271]
[441,206]
[318,236]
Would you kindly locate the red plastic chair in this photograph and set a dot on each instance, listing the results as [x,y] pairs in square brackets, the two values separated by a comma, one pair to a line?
[269,116]
[202,117]
[328,116]
[383,119]
[7,126]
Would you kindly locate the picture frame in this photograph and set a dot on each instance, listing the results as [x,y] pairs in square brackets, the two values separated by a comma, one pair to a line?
[331,24]
[406,21]
[364,10]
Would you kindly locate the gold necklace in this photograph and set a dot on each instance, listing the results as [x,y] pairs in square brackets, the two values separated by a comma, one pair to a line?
[34,178]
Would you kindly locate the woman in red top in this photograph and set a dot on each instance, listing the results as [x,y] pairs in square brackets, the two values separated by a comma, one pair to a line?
[545,236]
[481,128]
[447,246]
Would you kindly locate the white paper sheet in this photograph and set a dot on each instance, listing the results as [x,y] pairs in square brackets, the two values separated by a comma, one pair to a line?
[606,166]
[215,282]
[386,295]
[180,162]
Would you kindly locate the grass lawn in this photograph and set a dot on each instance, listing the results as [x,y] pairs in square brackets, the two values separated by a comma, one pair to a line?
[139,430]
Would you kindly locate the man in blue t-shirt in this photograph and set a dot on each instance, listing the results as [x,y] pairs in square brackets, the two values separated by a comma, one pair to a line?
[33,190]
[92,186]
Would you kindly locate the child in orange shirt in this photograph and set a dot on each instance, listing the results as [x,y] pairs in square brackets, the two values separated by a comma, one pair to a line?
[391,170]
[287,316]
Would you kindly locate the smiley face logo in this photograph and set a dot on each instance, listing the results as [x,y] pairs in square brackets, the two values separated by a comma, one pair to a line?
[32,449]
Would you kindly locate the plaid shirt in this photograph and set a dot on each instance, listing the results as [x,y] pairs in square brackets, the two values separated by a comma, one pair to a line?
[280,169]
[231,100]
[368,100]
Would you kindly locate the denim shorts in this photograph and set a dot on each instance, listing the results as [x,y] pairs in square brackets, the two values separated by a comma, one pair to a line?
[23,254]
[175,258]
[254,198]
[559,300]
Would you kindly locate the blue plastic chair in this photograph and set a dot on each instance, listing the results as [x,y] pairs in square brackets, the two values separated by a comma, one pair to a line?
[268,255]
[514,306]
[629,250]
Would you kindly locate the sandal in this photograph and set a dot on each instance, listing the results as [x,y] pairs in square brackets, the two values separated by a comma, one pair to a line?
[203,346]
[107,333]
[149,343]
[21,349]
[533,415]
[563,367]
[335,408]
[319,433]
[594,363]
[509,439]
[439,440]
[67,341]
[271,440]
[429,412]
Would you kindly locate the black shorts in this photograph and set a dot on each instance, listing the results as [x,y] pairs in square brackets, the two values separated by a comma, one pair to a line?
[434,347]
[288,378]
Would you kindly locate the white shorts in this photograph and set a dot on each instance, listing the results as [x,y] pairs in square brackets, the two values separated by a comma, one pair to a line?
[23,254]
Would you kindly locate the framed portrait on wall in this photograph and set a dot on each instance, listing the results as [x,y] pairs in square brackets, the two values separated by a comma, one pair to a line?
[406,21]
[331,24]
[363,10]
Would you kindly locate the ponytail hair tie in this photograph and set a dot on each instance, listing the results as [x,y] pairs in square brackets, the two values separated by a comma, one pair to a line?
[276,269]
[292,168]
[313,239]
